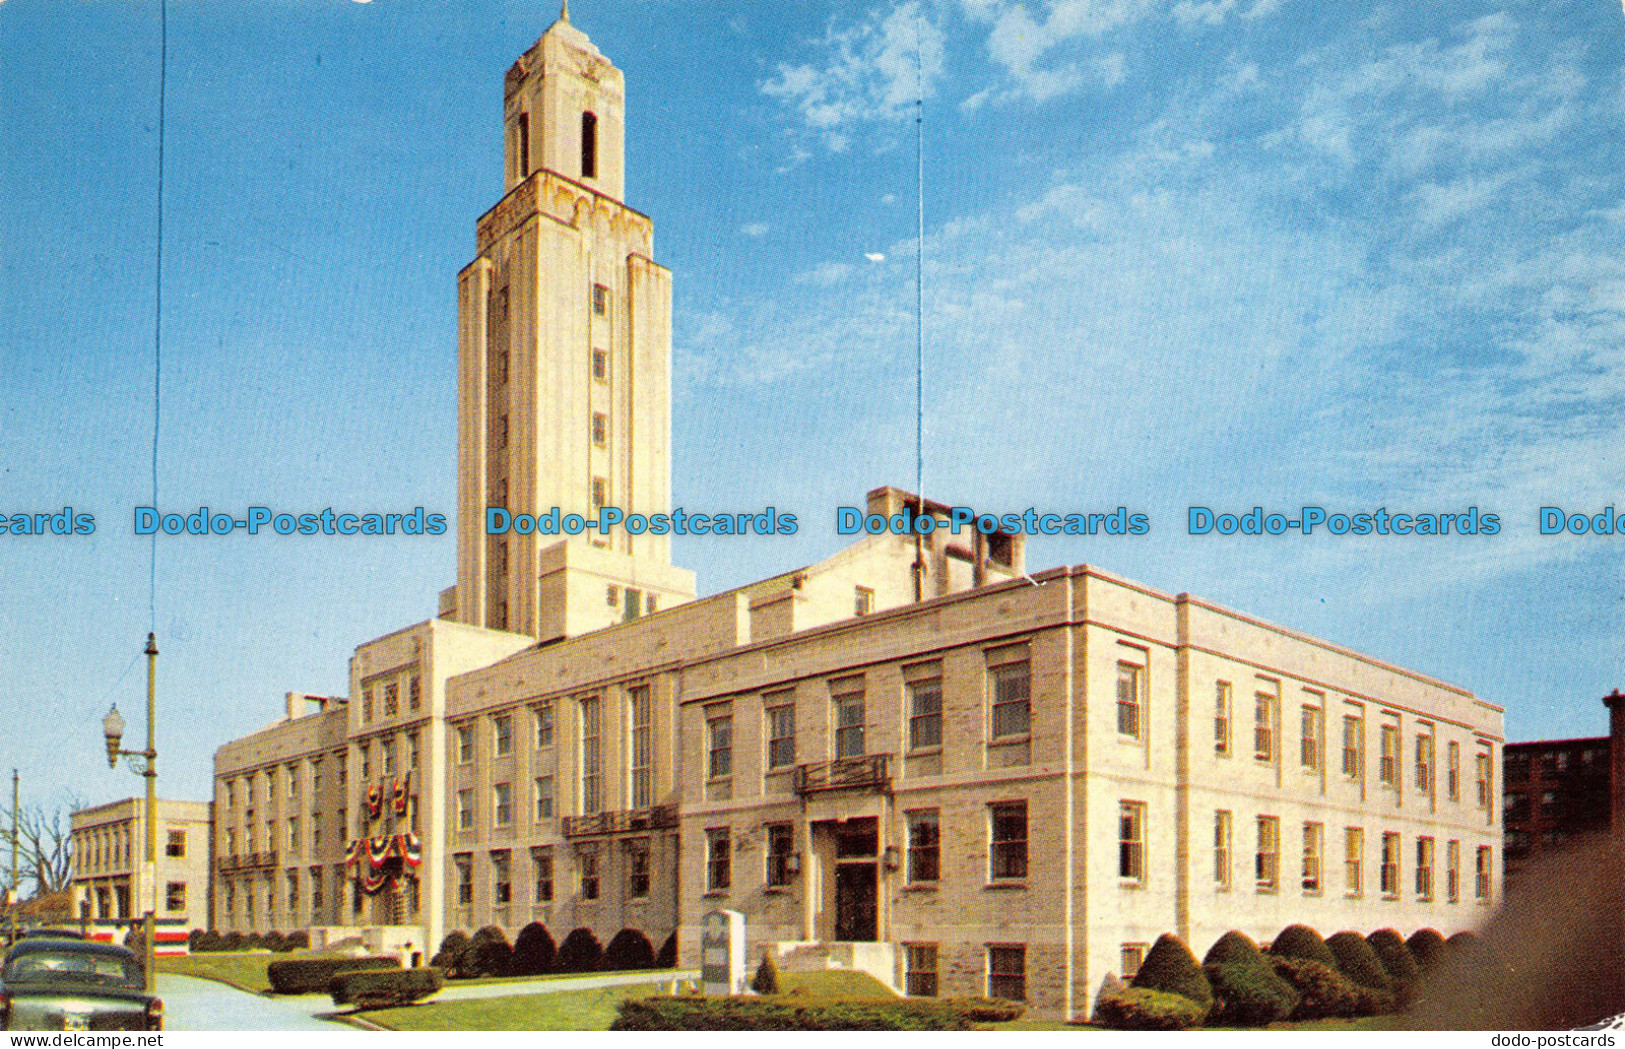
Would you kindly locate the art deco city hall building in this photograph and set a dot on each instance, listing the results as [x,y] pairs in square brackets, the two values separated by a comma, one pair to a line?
[967,782]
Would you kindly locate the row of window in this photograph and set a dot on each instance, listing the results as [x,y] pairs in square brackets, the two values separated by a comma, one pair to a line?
[390,693]
[1009,683]
[1005,967]
[588,874]
[289,775]
[1310,747]
[108,848]
[1132,865]
[231,893]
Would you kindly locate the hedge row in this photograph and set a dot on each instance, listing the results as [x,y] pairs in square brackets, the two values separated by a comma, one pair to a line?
[313,975]
[1299,977]
[385,989]
[204,941]
[787,1014]
[533,953]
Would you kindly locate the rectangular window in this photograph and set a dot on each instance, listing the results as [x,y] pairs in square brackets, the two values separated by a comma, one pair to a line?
[412,750]
[642,720]
[924,681]
[1007,972]
[414,693]
[502,804]
[781,845]
[920,970]
[850,716]
[1008,824]
[1267,862]
[1132,956]
[293,834]
[719,734]
[465,878]
[1424,869]
[1481,886]
[1131,841]
[1313,839]
[924,847]
[1424,763]
[600,498]
[175,844]
[781,734]
[1010,685]
[863,601]
[465,809]
[1221,719]
[386,753]
[1452,783]
[175,896]
[465,744]
[366,705]
[600,429]
[315,832]
[1452,871]
[1222,836]
[501,878]
[637,869]
[1309,746]
[600,300]
[592,801]
[600,365]
[1390,865]
[1264,726]
[1353,739]
[718,859]
[587,863]
[315,891]
[543,717]
[544,797]
[541,870]
[392,700]
[502,735]
[1353,861]
[1484,777]
[1388,763]
[1130,682]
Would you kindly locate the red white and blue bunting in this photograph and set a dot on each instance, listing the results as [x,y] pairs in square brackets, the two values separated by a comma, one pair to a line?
[379,861]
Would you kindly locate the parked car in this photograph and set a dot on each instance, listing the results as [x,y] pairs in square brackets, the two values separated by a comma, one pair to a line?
[53,934]
[75,985]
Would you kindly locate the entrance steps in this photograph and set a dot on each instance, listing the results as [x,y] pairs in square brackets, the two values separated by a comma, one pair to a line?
[877,959]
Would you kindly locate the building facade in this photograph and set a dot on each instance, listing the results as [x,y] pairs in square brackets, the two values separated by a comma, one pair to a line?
[111,885]
[910,758]
[1562,790]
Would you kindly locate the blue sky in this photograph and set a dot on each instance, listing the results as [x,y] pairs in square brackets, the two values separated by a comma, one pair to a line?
[1210,252]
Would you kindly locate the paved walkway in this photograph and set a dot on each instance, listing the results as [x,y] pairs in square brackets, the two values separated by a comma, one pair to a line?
[454,993]
[191,1004]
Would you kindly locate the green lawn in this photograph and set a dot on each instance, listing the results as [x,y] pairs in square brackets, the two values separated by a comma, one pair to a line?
[654,974]
[245,970]
[570,1011]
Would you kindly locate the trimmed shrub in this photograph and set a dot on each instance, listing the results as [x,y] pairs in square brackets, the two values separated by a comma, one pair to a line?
[489,954]
[667,956]
[1323,992]
[233,941]
[580,953]
[1248,995]
[1428,948]
[384,990]
[1235,948]
[1396,958]
[1358,962]
[298,941]
[452,956]
[1300,941]
[629,949]
[1462,943]
[1171,967]
[691,1013]
[766,980]
[1142,1009]
[313,975]
[533,951]
[986,1010]
[274,941]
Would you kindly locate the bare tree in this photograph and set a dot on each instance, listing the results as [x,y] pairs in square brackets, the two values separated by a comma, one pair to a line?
[45,845]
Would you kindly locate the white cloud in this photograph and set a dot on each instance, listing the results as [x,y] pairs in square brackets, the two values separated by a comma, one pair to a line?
[825,275]
[754,229]
[870,72]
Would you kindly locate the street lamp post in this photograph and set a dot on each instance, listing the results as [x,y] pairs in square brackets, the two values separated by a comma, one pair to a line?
[147,767]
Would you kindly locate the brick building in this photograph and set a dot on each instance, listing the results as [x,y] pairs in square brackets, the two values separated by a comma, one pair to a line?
[1558,790]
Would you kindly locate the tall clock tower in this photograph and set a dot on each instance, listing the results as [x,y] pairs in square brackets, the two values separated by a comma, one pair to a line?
[564,364]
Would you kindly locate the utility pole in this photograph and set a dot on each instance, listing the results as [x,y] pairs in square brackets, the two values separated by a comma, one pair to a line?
[16,815]
[150,772]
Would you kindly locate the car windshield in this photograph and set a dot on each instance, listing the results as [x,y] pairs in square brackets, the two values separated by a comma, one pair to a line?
[74,967]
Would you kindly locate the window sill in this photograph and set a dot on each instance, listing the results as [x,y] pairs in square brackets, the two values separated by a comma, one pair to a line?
[1001,886]
[921,886]
[1136,884]
[1268,890]
[1004,741]
[777,890]
[716,894]
[937,747]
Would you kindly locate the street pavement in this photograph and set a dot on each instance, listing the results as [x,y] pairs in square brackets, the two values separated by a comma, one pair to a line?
[191,1004]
